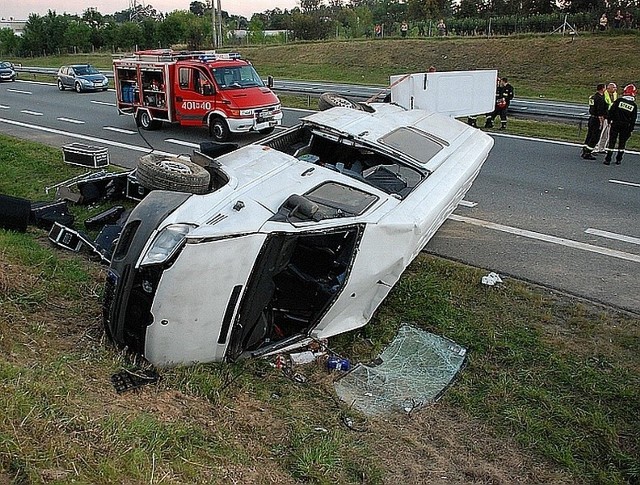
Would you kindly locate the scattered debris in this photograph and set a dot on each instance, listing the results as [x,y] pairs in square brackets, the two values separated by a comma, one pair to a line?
[416,369]
[491,279]
[85,155]
[127,380]
[338,363]
[301,358]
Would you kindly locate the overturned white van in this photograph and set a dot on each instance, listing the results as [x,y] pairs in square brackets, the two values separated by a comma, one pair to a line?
[300,237]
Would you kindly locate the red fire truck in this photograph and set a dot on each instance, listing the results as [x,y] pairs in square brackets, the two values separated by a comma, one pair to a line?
[203,88]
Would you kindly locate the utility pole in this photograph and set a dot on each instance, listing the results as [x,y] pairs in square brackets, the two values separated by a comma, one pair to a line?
[219,24]
[213,22]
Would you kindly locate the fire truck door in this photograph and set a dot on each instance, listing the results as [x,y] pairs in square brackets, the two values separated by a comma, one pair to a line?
[194,95]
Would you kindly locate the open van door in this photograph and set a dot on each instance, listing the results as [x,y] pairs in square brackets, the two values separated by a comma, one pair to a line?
[453,93]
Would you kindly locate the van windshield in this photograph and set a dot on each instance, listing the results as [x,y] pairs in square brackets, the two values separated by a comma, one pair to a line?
[235,77]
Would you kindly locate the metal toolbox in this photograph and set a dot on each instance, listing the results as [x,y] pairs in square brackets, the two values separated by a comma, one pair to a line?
[85,155]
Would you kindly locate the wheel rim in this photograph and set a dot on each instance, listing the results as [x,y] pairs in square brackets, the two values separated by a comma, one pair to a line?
[145,120]
[339,101]
[78,88]
[173,166]
[218,129]
[60,86]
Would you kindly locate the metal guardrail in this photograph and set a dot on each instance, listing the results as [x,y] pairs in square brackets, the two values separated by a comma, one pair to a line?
[524,108]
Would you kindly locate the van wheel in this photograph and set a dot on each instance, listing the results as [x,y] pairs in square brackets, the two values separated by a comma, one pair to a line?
[219,130]
[143,119]
[60,85]
[163,172]
[331,100]
[78,88]
[267,131]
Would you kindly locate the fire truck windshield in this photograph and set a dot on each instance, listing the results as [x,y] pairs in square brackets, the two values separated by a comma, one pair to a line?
[235,77]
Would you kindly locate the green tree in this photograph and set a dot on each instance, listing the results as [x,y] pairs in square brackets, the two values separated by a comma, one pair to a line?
[9,42]
[77,37]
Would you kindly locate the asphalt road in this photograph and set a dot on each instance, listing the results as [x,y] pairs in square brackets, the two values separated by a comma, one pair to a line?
[537,211]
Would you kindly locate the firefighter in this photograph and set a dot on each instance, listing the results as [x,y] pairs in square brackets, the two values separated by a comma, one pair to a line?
[597,114]
[623,115]
[610,95]
[504,95]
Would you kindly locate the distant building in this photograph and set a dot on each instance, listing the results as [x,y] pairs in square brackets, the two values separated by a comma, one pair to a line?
[16,25]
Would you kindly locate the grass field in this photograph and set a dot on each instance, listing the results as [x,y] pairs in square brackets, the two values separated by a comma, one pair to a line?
[550,393]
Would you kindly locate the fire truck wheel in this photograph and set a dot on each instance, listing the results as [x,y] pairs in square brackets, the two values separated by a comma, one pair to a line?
[218,129]
[143,118]
[164,172]
[331,100]
[267,131]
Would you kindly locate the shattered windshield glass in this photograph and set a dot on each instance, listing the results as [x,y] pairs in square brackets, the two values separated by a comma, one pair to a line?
[413,371]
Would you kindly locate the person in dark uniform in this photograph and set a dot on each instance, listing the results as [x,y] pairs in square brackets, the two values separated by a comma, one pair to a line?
[504,95]
[597,114]
[622,115]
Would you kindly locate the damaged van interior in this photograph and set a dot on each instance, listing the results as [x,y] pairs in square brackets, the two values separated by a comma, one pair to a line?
[295,279]
[354,159]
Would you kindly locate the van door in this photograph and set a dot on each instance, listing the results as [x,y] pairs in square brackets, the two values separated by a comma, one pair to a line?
[453,93]
[194,95]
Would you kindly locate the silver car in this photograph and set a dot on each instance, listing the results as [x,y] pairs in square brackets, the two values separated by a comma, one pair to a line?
[81,77]
[7,72]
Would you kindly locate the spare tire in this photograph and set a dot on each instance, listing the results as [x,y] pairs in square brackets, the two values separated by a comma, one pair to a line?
[165,172]
[331,100]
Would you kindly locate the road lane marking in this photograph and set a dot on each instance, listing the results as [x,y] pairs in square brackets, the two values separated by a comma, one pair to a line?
[19,91]
[113,105]
[71,120]
[547,238]
[84,137]
[29,112]
[4,106]
[466,203]
[542,140]
[119,130]
[182,143]
[622,182]
[613,235]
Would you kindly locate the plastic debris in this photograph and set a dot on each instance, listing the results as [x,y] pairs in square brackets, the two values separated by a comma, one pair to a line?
[126,380]
[300,358]
[491,279]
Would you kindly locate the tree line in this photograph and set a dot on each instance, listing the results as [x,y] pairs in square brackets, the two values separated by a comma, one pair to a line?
[145,27]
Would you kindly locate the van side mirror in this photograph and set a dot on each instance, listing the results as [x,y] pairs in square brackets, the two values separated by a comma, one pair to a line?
[270,81]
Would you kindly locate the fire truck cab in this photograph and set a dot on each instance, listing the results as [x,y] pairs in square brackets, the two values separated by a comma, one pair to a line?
[221,91]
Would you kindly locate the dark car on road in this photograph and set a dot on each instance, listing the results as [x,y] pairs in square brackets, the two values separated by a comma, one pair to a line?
[7,72]
[81,77]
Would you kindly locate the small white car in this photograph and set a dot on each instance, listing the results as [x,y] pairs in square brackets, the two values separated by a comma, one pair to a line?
[301,236]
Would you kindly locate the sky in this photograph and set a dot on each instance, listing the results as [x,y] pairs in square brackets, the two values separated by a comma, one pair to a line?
[20,9]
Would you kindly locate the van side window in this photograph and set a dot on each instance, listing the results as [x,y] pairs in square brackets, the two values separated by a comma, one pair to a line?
[183,77]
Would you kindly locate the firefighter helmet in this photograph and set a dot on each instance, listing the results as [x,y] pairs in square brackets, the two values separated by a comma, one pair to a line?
[629,90]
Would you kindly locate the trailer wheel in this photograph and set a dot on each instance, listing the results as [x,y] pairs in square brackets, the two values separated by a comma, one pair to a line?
[163,172]
[143,119]
[331,100]
[218,129]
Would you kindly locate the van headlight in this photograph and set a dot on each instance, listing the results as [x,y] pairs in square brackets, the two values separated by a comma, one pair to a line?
[166,243]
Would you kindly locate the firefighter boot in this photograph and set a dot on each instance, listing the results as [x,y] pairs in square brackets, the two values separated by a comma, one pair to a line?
[619,158]
[503,125]
[472,122]
[488,123]
[607,159]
